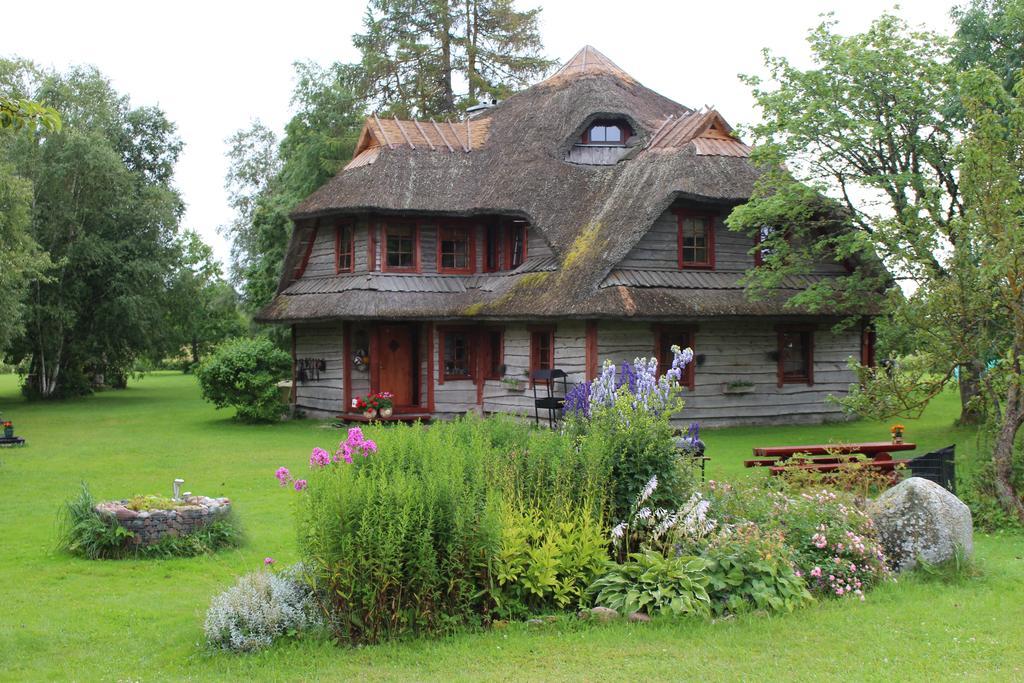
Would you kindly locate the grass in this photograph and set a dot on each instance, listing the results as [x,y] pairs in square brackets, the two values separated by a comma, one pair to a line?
[68,618]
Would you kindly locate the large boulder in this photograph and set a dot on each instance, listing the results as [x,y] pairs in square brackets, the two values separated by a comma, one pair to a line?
[918,518]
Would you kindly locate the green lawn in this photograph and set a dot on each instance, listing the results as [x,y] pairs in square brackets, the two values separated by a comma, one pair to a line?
[65,618]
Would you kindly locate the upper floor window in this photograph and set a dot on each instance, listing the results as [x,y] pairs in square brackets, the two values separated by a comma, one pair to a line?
[696,240]
[796,356]
[516,245]
[455,250]
[492,248]
[401,247]
[344,248]
[762,254]
[607,132]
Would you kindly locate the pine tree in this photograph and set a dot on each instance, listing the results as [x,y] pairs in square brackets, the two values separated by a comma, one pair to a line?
[415,52]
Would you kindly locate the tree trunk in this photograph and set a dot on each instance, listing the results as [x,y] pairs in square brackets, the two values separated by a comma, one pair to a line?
[970,387]
[195,351]
[446,58]
[1002,455]
[471,38]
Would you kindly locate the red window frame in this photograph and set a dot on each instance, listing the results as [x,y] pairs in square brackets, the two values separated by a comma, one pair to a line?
[686,337]
[444,234]
[758,238]
[415,268]
[806,335]
[867,346]
[490,364]
[510,231]
[443,334]
[623,126]
[537,336]
[709,222]
[492,248]
[344,247]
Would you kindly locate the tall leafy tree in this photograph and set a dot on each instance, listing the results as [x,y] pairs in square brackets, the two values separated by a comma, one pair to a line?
[874,125]
[992,168]
[267,177]
[202,308]
[435,57]
[104,210]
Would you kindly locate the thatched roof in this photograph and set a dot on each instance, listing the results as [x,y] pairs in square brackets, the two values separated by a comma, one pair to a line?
[510,160]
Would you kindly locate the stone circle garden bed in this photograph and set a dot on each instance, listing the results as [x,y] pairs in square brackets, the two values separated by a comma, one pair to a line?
[180,518]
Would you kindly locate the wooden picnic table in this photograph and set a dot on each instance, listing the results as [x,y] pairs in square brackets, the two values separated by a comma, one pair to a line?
[831,457]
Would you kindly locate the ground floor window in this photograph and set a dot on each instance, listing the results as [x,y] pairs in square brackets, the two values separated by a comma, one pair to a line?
[867,346]
[456,349]
[668,336]
[796,356]
[542,349]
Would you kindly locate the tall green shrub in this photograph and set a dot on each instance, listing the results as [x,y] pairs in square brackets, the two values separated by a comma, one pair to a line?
[410,537]
[244,373]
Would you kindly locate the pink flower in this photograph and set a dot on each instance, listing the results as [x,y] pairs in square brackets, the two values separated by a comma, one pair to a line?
[283,475]
[853,567]
[839,591]
[319,458]
[368,447]
[816,572]
[267,561]
[300,484]
[355,435]
[819,540]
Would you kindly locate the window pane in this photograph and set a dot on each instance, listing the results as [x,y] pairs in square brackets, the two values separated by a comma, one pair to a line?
[345,248]
[494,350]
[695,240]
[456,355]
[518,244]
[493,248]
[613,134]
[400,247]
[597,134]
[794,355]
[455,249]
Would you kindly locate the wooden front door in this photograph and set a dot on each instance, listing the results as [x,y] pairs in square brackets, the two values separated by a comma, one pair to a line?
[397,359]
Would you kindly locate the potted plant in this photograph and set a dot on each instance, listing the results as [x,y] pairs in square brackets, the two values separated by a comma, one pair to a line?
[8,430]
[897,433]
[513,384]
[738,387]
[364,406]
[385,403]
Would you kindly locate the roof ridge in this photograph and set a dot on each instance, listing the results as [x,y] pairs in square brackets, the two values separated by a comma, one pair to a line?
[588,60]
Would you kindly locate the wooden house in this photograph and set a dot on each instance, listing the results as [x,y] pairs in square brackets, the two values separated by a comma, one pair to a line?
[577,221]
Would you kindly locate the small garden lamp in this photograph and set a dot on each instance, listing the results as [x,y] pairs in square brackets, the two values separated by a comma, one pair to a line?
[177,488]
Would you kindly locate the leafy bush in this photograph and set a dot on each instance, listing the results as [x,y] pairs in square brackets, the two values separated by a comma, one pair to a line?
[408,531]
[752,569]
[243,373]
[260,608]
[651,583]
[625,420]
[84,532]
[546,559]
[833,541]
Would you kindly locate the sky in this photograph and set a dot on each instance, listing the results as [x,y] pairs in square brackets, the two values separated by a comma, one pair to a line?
[215,66]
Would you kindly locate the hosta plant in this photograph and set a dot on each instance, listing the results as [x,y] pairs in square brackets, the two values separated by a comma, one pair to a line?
[651,583]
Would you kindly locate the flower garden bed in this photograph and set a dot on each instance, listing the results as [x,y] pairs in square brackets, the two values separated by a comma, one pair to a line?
[149,526]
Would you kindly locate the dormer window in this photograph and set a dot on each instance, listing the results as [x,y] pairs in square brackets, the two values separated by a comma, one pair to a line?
[696,240]
[612,132]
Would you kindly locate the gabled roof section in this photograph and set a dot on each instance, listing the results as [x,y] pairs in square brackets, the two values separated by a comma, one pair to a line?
[430,136]
[707,131]
[588,61]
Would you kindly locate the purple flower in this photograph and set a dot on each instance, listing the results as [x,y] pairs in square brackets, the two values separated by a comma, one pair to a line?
[283,475]
[355,435]
[267,561]
[300,484]
[319,458]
